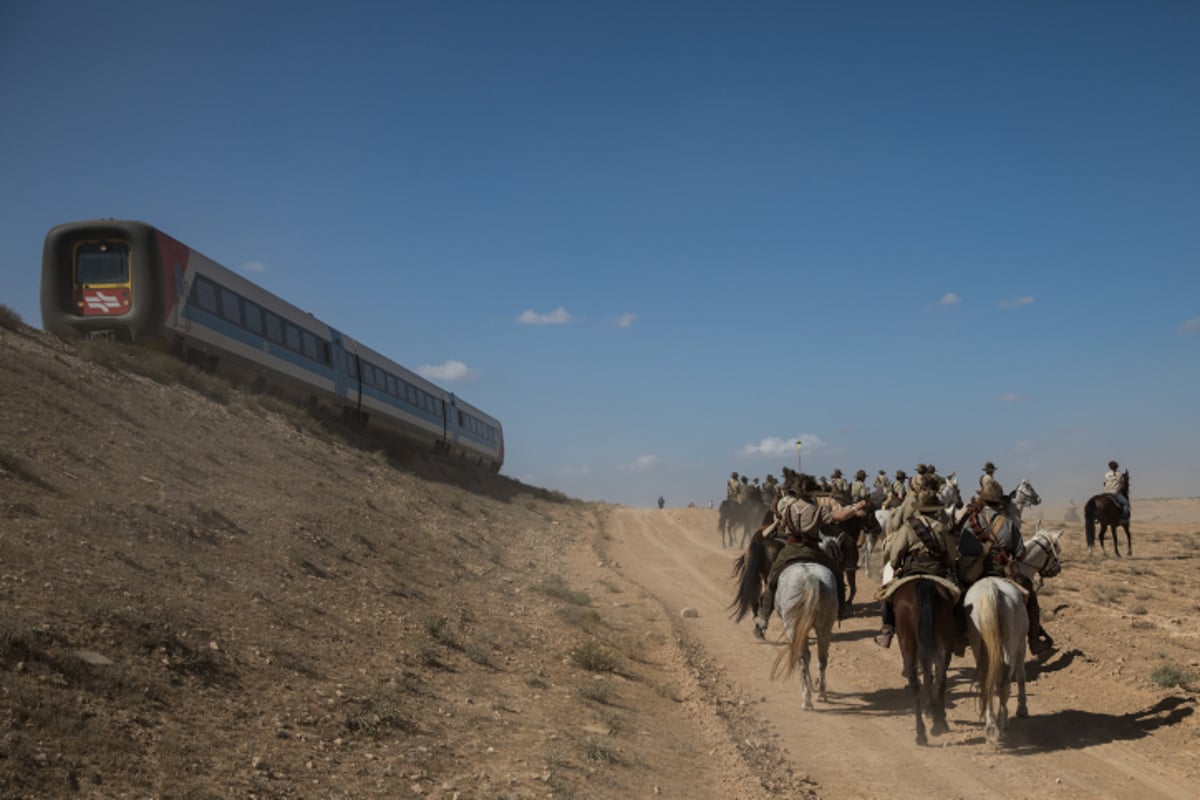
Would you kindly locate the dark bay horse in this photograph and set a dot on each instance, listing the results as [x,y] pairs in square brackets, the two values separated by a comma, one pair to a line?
[925,628]
[734,514]
[1102,508]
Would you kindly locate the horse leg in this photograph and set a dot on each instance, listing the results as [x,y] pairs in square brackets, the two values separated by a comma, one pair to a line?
[1128,540]
[823,640]
[805,658]
[851,585]
[937,694]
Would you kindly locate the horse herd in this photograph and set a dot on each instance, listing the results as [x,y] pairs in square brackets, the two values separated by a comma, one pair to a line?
[925,610]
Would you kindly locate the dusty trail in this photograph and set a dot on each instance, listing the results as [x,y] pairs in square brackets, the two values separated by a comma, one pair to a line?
[1089,739]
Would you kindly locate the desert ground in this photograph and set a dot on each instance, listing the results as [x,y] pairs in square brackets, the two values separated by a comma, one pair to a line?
[208,594]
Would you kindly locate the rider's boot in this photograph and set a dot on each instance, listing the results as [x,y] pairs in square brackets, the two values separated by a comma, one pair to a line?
[884,639]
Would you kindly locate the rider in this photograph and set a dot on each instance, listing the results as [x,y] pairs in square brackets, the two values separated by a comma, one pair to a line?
[989,545]
[770,491]
[858,489]
[922,545]
[801,519]
[731,487]
[1112,485]
[987,477]
[838,484]
[897,491]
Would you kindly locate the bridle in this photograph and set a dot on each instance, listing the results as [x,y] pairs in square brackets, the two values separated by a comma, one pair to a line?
[1051,566]
[1026,496]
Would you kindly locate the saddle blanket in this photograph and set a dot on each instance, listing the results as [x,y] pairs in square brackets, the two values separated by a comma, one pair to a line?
[885,591]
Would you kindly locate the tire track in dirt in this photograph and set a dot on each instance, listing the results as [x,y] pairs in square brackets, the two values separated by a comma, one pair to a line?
[860,744]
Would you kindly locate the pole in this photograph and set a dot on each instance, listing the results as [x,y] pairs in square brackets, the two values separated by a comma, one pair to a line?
[799,462]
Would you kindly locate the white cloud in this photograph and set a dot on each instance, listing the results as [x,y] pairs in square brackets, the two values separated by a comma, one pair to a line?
[558,316]
[1016,302]
[449,371]
[949,299]
[1011,397]
[625,320]
[1192,324]
[643,463]
[776,447]
[254,266]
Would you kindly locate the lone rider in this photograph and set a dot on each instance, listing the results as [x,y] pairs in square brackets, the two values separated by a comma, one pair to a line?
[989,545]
[922,545]
[1113,484]
[801,519]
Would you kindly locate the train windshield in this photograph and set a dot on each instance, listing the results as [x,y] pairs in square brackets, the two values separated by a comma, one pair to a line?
[102,262]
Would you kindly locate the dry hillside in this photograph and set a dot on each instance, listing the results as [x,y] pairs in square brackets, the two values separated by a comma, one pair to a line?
[207,594]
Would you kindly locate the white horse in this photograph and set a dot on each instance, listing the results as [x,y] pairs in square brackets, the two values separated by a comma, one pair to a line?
[807,600]
[1024,496]
[997,625]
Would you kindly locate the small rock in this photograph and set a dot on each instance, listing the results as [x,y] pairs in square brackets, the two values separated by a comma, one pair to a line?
[690,612]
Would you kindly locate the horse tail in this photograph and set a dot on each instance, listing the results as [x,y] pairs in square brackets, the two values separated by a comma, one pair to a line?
[801,618]
[989,669]
[926,625]
[1089,521]
[748,571]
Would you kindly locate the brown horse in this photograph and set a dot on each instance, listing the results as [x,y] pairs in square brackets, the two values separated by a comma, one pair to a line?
[1108,512]
[925,627]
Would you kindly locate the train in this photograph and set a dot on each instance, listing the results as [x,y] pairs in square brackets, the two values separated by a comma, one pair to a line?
[127,281]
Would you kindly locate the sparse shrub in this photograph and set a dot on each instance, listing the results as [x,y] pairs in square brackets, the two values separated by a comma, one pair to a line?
[1139,609]
[557,588]
[597,692]
[378,715]
[10,320]
[586,618]
[603,750]
[479,655]
[536,682]
[593,657]
[438,629]
[1171,675]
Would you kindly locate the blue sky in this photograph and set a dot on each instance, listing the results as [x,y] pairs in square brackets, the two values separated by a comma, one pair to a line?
[662,241]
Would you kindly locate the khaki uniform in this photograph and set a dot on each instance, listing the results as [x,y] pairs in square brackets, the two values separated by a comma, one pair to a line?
[909,554]
[858,491]
[731,489]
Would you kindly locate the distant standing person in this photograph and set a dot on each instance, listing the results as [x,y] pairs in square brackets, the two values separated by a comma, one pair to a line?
[661,502]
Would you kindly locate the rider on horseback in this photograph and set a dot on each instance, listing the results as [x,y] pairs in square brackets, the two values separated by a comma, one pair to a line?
[1113,486]
[801,519]
[731,487]
[922,545]
[989,545]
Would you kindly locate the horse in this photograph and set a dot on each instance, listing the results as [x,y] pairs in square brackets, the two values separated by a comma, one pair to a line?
[997,625]
[734,513]
[752,568]
[1108,512]
[925,627]
[1040,561]
[1023,496]
[808,604]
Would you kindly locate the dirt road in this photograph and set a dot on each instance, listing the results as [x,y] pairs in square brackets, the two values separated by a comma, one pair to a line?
[1088,735]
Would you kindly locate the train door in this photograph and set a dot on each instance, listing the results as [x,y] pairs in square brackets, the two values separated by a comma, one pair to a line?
[175,284]
[338,355]
[451,419]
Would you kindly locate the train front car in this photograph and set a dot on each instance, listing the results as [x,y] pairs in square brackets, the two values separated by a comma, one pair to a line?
[109,279]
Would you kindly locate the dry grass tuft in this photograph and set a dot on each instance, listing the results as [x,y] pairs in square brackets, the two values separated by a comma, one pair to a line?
[10,320]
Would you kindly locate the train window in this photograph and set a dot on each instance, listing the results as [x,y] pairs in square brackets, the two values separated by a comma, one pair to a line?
[326,354]
[274,328]
[254,321]
[369,375]
[102,262]
[231,306]
[205,295]
[310,344]
[391,385]
[291,336]
[351,366]
[410,392]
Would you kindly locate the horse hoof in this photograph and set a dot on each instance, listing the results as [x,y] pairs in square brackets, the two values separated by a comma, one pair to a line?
[1022,712]
[758,633]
